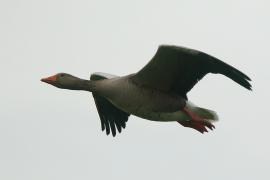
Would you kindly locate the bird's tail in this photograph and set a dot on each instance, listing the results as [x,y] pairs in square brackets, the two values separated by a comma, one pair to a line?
[206,114]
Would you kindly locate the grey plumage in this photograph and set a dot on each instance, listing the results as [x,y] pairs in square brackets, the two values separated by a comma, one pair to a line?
[157,92]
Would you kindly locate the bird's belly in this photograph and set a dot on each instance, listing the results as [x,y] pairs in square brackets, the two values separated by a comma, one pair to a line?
[161,108]
[143,102]
[148,110]
[161,116]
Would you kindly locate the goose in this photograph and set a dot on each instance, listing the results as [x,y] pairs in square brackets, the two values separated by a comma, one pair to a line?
[157,92]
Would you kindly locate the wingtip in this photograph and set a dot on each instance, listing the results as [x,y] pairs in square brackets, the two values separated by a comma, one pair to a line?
[249,86]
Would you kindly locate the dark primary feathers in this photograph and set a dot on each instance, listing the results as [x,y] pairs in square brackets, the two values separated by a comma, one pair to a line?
[177,69]
[111,117]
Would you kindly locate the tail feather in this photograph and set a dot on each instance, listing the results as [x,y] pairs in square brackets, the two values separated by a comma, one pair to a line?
[206,114]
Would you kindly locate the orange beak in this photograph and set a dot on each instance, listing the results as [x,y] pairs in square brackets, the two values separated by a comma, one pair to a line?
[49,79]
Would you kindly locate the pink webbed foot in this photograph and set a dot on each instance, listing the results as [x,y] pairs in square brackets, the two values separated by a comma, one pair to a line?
[196,122]
[197,125]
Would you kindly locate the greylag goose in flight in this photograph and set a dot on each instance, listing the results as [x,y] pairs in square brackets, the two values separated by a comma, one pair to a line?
[158,92]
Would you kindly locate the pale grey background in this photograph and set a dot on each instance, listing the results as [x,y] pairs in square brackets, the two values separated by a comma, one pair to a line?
[51,134]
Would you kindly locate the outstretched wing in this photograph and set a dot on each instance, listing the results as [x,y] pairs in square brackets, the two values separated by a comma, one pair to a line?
[111,117]
[177,69]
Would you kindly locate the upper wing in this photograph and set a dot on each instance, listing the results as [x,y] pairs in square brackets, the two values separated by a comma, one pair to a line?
[111,117]
[177,69]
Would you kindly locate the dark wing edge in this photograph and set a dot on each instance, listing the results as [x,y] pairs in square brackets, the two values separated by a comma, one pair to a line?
[177,69]
[111,117]
[218,66]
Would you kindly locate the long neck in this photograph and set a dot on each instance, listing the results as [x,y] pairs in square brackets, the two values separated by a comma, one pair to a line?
[82,84]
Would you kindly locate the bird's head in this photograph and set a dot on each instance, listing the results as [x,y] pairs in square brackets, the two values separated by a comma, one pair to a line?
[63,81]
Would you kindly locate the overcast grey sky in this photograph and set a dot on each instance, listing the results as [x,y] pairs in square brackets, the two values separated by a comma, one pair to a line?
[50,134]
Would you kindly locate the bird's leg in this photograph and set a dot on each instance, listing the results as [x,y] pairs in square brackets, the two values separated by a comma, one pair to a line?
[196,122]
[193,116]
